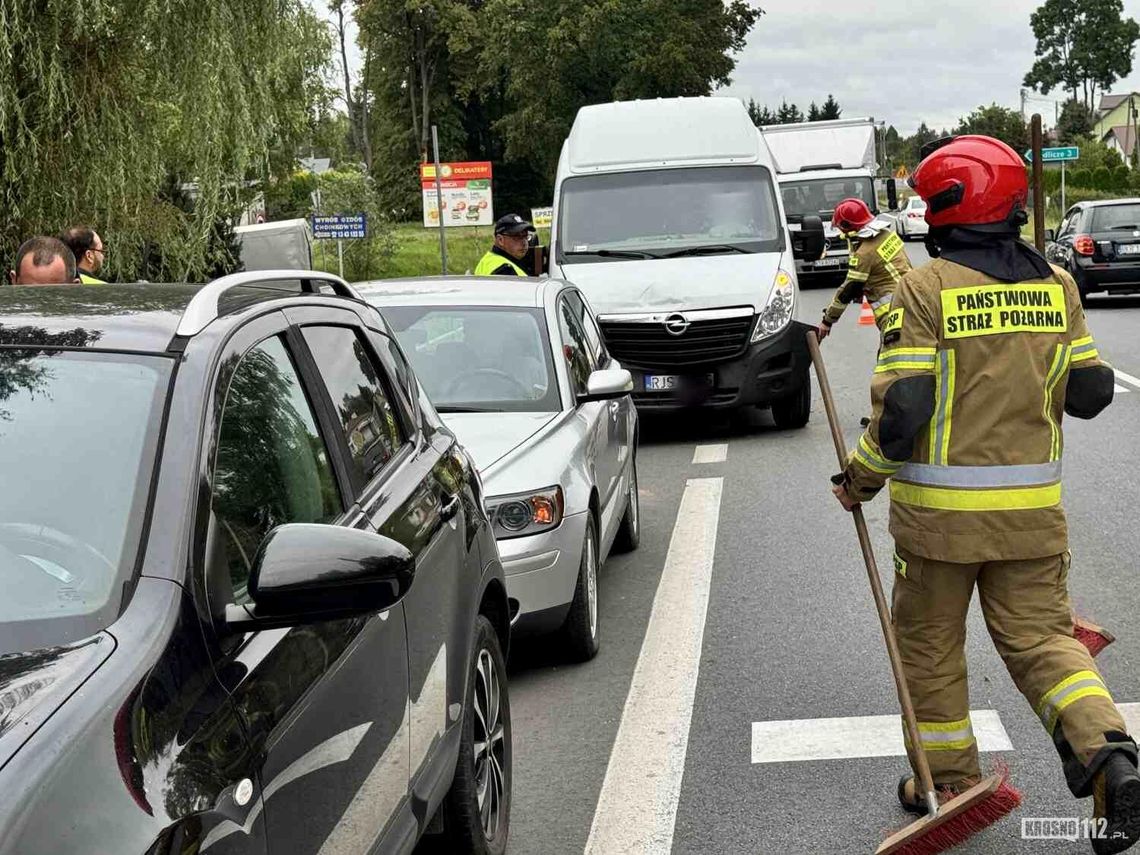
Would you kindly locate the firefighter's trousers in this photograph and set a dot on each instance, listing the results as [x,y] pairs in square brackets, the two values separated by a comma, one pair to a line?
[1027,611]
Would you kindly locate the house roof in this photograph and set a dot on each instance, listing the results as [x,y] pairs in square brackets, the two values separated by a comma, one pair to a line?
[1125,137]
[1108,103]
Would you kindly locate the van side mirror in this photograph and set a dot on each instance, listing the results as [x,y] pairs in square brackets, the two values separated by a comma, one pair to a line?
[809,242]
[1050,234]
[305,573]
[892,195]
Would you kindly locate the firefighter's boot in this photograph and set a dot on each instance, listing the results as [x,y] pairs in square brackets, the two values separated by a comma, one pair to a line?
[1116,801]
[915,802]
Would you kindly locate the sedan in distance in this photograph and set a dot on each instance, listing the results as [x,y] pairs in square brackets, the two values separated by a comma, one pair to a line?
[518,369]
[911,219]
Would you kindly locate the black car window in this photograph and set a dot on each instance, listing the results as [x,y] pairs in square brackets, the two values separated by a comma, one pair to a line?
[575,346]
[78,434]
[272,465]
[1116,218]
[1069,223]
[362,404]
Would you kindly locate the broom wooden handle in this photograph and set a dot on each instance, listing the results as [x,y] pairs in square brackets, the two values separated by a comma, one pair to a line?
[909,718]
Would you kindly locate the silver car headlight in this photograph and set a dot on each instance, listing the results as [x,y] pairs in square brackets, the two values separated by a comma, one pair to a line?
[779,309]
[523,514]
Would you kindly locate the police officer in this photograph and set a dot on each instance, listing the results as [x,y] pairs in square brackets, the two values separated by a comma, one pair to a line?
[985,350]
[877,262]
[512,242]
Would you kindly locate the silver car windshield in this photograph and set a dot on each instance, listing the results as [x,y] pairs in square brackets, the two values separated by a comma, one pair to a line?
[668,212]
[78,433]
[479,359]
[817,197]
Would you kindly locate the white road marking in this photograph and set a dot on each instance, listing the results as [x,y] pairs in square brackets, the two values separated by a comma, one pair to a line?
[1131,713]
[798,740]
[715,453]
[1127,378]
[1118,388]
[637,807]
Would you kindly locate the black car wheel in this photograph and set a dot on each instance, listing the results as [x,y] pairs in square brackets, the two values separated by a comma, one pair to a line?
[794,411]
[580,631]
[629,532]
[478,805]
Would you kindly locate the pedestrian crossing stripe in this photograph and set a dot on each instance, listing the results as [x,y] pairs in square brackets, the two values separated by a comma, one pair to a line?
[1124,381]
[856,737]
[859,737]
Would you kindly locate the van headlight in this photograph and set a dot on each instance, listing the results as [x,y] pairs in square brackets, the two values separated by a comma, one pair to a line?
[522,514]
[779,309]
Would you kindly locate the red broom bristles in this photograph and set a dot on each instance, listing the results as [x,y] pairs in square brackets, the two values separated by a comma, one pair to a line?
[966,824]
[1091,639]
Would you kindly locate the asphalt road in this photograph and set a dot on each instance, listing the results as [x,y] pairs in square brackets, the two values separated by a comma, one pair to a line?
[790,635]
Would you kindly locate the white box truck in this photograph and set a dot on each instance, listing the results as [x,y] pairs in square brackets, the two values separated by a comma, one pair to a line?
[819,164]
[667,215]
[277,245]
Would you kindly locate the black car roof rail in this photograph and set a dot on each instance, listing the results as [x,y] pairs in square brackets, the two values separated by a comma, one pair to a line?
[203,308]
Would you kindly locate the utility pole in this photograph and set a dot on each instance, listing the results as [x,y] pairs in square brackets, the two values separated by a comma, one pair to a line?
[439,201]
[1023,96]
[1038,185]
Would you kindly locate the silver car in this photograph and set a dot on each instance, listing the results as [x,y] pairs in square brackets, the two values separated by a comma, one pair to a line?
[518,370]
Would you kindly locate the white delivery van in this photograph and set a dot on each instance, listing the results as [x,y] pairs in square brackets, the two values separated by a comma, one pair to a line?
[820,164]
[278,245]
[667,215]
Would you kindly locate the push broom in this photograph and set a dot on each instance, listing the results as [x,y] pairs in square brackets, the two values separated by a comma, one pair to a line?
[962,816]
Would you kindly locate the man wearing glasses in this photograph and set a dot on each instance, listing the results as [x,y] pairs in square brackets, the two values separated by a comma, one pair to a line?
[90,252]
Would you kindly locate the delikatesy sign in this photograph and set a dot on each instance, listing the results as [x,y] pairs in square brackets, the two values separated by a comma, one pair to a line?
[340,226]
[466,191]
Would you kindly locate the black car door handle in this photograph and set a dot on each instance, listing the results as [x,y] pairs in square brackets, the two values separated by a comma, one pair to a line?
[450,509]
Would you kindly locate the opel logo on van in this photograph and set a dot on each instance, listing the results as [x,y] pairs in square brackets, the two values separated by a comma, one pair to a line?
[676,324]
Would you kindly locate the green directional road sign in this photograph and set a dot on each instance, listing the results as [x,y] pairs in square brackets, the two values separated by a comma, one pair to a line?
[1056,155]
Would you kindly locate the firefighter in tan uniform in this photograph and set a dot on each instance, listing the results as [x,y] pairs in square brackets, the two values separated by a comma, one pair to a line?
[983,351]
[877,263]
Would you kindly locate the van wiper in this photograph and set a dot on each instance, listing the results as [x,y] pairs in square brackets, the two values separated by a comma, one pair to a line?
[1125,228]
[447,408]
[615,253]
[707,249]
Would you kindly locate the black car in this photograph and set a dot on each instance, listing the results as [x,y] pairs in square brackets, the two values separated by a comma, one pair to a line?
[1099,243]
[251,600]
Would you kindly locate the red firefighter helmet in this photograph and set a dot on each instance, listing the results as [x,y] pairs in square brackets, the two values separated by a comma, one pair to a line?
[970,180]
[851,215]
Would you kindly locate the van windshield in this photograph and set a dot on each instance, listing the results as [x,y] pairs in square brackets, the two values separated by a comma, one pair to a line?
[78,433]
[817,197]
[668,212]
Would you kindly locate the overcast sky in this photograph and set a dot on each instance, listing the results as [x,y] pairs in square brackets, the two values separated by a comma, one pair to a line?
[901,62]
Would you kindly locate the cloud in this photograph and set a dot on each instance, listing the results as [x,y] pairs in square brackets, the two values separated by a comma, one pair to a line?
[901,62]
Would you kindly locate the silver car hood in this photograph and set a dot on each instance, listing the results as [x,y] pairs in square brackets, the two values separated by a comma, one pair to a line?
[491,436]
[678,284]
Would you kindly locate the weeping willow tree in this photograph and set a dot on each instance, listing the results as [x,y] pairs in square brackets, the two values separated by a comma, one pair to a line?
[99,106]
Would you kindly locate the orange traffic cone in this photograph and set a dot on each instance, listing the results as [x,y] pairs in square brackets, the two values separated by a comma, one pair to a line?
[867,316]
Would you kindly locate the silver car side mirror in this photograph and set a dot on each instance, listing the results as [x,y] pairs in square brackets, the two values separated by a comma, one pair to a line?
[606,385]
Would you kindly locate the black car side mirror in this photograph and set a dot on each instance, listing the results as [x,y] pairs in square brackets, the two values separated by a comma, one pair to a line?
[809,242]
[306,573]
[892,195]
